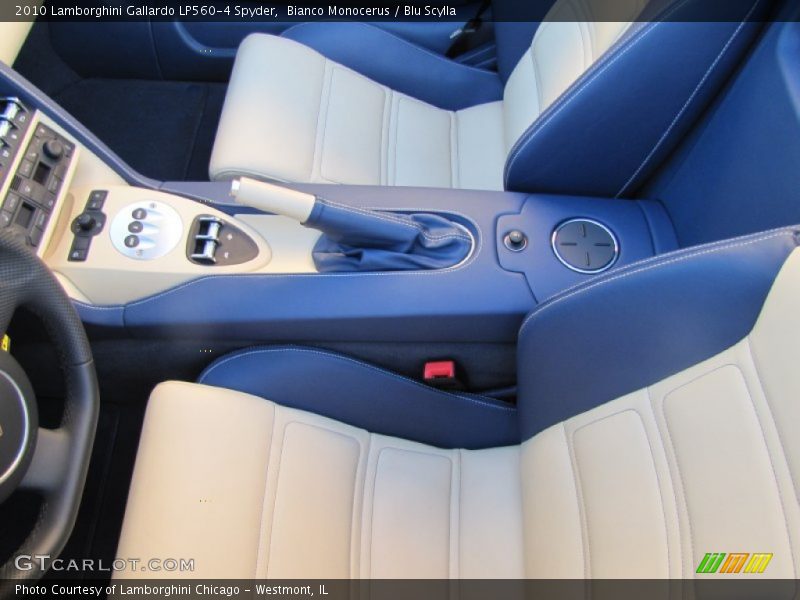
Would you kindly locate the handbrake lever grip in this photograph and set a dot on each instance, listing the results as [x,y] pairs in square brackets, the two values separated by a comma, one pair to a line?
[271,198]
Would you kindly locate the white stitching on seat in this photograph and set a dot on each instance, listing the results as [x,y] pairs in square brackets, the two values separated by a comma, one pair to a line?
[277,490]
[386,117]
[259,548]
[652,463]
[323,108]
[563,101]
[771,412]
[605,62]
[658,482]
[389,34]
[682,500]
[453,516]
[746,345]
[357,517]
[672,488]
[688,102]
[638,268]
[227,359]
[573,463]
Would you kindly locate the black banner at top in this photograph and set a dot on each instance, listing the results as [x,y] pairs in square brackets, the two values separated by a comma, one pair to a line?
[388,10]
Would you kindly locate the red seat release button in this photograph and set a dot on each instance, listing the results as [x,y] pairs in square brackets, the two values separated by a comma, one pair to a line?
[444,369]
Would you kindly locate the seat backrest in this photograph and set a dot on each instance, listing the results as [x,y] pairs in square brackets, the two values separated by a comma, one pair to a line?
[659,408]
[593,104]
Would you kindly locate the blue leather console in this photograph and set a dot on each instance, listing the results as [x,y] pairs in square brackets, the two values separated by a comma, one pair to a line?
[474,301]
[366,396]
[481,300]
[642,229]
[637,325]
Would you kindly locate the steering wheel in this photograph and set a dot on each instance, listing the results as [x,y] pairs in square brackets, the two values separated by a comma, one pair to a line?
[52,462]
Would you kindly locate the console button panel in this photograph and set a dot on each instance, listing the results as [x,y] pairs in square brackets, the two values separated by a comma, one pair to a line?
[146,230]
[215,242]
[39,176]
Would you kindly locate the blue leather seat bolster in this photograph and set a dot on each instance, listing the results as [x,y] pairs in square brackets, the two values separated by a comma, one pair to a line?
[644,94]
[365,396]
[633,327]
[399,64]
[513,39]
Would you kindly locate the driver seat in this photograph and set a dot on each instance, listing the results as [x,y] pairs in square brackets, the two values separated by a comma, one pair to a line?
[587,104]
[655,424]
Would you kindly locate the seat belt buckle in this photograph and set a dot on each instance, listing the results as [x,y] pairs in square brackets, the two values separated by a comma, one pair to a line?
[469,27]
[442,374]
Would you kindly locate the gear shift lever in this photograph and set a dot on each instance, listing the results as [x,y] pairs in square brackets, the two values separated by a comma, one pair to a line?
[359,239]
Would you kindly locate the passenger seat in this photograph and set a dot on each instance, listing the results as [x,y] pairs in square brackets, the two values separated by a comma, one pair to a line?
[590,107]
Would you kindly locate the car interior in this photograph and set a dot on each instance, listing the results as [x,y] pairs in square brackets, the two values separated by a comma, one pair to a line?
[446,299]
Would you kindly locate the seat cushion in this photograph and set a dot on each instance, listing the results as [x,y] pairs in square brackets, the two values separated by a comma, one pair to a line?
[249,488]
[291,114]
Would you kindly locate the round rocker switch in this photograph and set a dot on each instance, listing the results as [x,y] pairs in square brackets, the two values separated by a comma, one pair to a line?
[54,149]
[85,222]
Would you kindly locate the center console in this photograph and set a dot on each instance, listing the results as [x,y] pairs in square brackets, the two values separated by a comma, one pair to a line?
[184,259]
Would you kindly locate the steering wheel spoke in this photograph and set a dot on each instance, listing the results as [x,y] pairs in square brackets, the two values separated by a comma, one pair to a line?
[49,463]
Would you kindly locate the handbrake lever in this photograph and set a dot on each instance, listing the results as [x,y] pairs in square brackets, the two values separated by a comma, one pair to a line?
[272,198]
[360,239]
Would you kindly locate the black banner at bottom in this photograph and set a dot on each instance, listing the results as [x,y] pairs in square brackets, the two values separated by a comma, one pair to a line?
[385,589]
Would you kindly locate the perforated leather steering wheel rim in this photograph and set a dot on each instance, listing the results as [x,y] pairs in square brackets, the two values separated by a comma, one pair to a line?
[59,458]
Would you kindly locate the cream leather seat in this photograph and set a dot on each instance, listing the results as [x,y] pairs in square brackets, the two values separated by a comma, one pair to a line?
[589,107]
[676,439]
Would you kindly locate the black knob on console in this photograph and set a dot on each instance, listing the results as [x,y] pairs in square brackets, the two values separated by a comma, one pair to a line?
[54,149]
[85,222]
